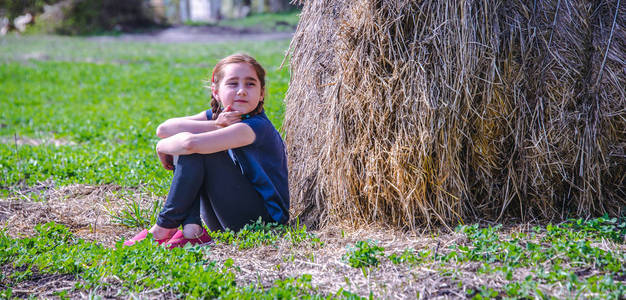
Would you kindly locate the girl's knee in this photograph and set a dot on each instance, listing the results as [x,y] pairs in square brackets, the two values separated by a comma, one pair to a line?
[201,162]
[190,158]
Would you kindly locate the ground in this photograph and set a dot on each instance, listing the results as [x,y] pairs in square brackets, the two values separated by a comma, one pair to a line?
[77,122]
[73,205]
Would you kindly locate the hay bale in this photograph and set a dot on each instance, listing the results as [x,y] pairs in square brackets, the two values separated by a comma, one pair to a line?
[549,98]
[314,74]
[434,112]
[605,137]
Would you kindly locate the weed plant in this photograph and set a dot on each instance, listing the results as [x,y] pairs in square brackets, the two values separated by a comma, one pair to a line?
[363,254]
[260,233]
[132,215]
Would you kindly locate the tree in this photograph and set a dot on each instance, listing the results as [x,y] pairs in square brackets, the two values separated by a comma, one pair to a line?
[280,5]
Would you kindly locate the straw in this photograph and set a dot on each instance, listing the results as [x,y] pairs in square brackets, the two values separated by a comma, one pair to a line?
[429,113]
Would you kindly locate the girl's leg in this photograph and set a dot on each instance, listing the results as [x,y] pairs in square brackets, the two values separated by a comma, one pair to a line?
[208,215]
[183,201]
[229,200]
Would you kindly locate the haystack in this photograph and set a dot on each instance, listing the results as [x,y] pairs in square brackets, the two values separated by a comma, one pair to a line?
[413,113]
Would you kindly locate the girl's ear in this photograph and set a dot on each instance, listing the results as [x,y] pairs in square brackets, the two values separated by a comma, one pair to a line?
[214,91]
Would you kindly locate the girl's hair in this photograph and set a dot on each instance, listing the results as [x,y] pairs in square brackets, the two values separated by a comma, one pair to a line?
[218,74]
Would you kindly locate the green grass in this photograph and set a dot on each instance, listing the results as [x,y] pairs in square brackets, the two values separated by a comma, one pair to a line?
[552,256]
[268,22]
[146,265]
[565,254]
[107,98]
[260,234]
[363,254]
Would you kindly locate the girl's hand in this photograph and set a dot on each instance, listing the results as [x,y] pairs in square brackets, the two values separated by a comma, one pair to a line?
[166,160]
[228,117]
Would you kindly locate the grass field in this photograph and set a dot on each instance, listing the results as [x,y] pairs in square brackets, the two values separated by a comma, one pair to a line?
[77,137]
[285,21]
[104,101]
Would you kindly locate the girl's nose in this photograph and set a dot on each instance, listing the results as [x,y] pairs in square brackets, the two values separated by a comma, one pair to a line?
[241,91]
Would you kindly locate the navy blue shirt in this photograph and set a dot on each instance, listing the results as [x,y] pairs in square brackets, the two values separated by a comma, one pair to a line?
[264,163]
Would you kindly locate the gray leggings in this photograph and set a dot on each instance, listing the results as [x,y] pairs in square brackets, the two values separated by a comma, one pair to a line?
[211,186]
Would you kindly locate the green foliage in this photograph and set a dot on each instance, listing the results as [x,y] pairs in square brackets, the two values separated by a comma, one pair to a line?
[133,216]
[554,254]
[604,227]
[363,254]
[563,254]
[15,8]
[290,288]
[483,292]
[97,16]
[146,265]
[283,21]
[105,102]
[260,233]
[410,257]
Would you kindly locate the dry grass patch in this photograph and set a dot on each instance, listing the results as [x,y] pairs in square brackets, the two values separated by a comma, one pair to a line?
[23,140]
[329,271]
[440,274]
[87,210]
[434,265]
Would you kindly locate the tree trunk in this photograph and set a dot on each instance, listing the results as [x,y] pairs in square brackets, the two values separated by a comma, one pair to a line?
[279,5]
[185,12]
[216,9]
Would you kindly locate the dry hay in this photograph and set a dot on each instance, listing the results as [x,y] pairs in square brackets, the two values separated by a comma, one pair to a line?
[438,112]
[86,210]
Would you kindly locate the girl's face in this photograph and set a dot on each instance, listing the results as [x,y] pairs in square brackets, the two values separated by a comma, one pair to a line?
[239,87]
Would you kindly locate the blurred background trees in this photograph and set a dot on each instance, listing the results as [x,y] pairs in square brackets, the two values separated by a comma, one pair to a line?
[92,16]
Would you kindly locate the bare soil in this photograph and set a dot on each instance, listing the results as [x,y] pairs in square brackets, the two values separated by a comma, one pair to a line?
[42,285]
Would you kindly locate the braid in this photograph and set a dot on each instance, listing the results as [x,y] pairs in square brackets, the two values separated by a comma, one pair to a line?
[216,108]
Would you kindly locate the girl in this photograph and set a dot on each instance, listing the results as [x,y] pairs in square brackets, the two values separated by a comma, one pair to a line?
[231,168]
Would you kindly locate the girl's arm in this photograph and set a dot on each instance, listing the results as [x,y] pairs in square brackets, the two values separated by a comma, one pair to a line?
[197,123]
[233,136]
[194,124]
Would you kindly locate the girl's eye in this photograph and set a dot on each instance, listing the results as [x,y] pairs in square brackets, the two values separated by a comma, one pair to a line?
[231,84]
[251,84]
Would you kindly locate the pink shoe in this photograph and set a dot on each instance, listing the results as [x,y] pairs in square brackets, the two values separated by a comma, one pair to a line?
[179,240]
[141,236]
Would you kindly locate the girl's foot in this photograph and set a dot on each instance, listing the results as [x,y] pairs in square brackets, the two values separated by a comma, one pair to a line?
[191,234]
[192,231]
[162,233]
